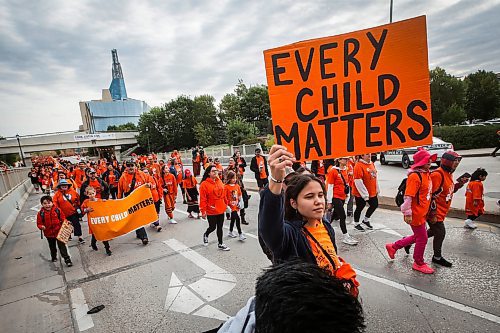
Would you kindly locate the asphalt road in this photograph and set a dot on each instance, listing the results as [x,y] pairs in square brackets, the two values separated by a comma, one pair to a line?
[175,284]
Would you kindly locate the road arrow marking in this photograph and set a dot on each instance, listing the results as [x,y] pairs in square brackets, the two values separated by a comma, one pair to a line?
[215,283]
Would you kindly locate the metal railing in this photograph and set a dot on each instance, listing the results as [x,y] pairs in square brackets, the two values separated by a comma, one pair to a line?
[11,178]
[222,152]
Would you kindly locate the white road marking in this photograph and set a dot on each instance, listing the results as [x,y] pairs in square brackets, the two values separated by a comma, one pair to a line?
[384,228]
[79,307]
[431,297]
[36,208]
[189,298]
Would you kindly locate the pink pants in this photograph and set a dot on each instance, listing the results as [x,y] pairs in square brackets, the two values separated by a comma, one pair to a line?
[419,237]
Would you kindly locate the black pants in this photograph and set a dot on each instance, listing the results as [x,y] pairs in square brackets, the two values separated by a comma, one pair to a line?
[53,249]
[437,231]
[113,192]
[242,215]
[141,233]
[473,217]
[75,221]
[361,203]
[93,241]
[262,182]
[339,213]
[235,218]
[215,221]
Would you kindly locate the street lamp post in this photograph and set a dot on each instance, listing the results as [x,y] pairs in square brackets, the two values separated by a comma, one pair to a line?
[147,133]
[390,16]
[20,150]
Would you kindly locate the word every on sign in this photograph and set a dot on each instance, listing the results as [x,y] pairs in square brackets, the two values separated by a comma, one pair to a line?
[361,92]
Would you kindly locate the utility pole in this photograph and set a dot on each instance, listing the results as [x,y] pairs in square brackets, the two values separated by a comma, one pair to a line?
[390,16]
[20,150]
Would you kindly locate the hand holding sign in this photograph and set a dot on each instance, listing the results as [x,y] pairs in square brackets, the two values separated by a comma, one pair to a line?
[279,159]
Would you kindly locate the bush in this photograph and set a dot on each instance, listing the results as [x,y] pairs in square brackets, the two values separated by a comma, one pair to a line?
[464,137]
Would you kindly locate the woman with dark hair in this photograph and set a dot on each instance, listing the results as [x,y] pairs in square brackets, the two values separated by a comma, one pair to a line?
[213,204]
[292,225]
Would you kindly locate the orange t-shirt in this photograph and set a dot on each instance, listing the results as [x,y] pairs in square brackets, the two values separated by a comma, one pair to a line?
[443,200]
[333,178]
[474,192]
[125,182]
[232,192]
[97,186]
[189,182]
[261,166]
[79,177]
[422,189]
[321,168]
[113,182]
[320,233]
[368,174]
[212,200]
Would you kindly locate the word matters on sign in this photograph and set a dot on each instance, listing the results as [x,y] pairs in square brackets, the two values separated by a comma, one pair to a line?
[361,92]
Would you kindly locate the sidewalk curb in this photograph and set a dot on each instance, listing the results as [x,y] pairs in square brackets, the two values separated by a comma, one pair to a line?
[389,203]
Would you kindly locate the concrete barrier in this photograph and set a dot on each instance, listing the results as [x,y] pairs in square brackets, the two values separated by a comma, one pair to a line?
[10,206]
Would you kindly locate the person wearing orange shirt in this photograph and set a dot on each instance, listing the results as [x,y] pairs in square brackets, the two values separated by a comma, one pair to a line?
[196,161]
[351,162]
[79,175]
[169,185]
[232,192]
[129,181]
[156,191]
[443,189]
[90,193]
[365,190]
[337,191]
[240,163]
[417,199]
[111,177]
[213,204]
[101,187]
[319,168]
[68,201]
[258,165]
[189,184]
[474,197]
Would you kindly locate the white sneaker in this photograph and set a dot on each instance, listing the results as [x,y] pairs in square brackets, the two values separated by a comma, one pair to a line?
[470,224]
[349,240]
[232,235]
[172,221]
[223,247]
[242,237]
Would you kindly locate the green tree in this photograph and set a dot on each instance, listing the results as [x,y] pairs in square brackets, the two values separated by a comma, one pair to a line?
[446,91]
[123,127]
[454,115]
[203,134]
[482,95]
[239,130]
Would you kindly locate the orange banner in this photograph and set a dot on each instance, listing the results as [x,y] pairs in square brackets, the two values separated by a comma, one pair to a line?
[360,92]
[113,218]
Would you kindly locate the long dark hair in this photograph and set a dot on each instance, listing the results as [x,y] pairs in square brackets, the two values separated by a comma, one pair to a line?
[293,189]
[206,174]
[478,173]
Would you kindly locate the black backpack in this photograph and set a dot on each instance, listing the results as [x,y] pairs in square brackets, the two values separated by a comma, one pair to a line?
[400,197]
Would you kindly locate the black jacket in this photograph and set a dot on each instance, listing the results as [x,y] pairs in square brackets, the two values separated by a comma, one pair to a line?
[243,163]
[255,168]
[104,192]
[105,175]
[284,239]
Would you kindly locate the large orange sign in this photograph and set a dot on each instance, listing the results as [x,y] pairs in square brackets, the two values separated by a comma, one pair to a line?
[361,92]
[113,218]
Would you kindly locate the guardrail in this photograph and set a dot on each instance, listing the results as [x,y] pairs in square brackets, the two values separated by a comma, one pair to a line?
[11,178]
[222,152]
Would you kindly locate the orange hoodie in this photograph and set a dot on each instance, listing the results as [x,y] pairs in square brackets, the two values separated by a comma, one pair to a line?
[212,199]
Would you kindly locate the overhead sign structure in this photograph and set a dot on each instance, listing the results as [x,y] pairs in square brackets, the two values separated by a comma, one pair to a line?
[113,218]
[360,92]
[96,136]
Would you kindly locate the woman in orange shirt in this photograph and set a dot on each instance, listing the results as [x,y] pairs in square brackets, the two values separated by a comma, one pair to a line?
[156,192]
[189,184]
[337,191]
[169,185]
[416,204]
[213,204]
[474,202]
[365,190]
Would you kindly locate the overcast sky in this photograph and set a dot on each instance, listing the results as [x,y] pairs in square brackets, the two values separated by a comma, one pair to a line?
[54,54]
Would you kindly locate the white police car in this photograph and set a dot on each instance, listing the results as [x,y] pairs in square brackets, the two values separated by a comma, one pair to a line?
[405,155]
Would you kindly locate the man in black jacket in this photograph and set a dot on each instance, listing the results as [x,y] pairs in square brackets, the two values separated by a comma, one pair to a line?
[259,166]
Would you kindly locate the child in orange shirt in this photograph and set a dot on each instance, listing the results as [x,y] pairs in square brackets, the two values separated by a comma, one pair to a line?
[232,193]
[91,193]
[474,201]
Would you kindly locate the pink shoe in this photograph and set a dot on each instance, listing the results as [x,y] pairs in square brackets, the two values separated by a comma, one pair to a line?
[424,268]
[391,251]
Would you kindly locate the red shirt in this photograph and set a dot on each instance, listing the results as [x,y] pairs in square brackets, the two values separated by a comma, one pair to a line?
[51,220]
